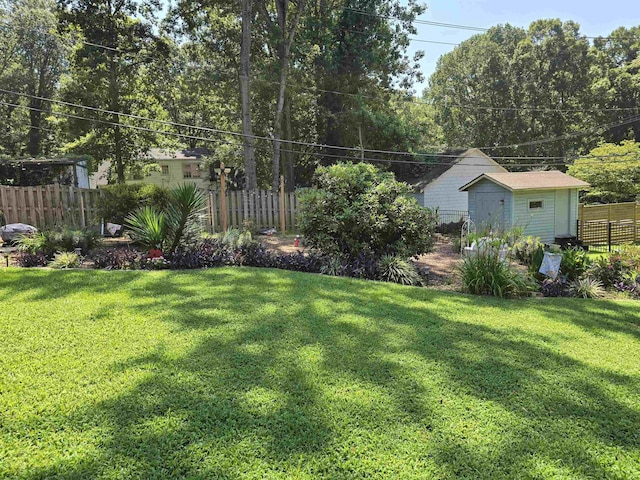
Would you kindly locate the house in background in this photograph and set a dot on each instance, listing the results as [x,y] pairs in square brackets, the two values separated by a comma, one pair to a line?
[440,186]
[545,204]
[176,167]
[173,167]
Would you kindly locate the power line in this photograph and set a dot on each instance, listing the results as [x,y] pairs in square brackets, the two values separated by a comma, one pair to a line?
[341,157]
[567,136]
[453,25]
[413,100]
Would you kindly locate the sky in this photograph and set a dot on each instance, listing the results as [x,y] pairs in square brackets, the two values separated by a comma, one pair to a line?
[595,18]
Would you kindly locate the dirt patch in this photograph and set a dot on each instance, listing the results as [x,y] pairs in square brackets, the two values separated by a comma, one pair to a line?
[442,262]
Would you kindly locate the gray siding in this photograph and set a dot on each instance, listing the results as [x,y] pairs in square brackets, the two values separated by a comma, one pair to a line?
[538,223]
[487,186]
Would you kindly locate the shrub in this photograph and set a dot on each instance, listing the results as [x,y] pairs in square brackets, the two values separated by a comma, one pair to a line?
[485,274]
[63,239]
[154,228]
[28,259]
[586,287]
[65,260]
[116,259]
[575,263]
[555,288]
[398,270]
[149,227]
[117,202]
[611,270]
[356,208]
[525,249]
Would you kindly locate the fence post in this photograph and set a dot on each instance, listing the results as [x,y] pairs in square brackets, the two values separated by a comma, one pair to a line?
[609,236]
[223,196]
[282,212]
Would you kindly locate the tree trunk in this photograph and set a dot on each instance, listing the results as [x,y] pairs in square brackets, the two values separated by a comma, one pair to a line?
[245,97]
[284,52]
[35,120]
[290,175]
[114,105]
[277,127]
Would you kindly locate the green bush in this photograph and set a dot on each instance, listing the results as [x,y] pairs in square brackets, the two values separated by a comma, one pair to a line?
[63,239]
[615,268]
[575,263]
[398,270]
[485,274]
[166,229]
[118,201]
[65,260]
[355,208]
[525,249]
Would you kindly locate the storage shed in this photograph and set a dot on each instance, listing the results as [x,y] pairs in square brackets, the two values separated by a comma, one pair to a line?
[545,204]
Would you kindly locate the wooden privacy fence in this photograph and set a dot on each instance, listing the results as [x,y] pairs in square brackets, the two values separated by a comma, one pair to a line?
[609,225]
[263,207]
[612,212]
[49,205]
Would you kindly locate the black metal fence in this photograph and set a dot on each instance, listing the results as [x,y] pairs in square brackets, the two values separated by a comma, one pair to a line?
[450,221]
[602,235]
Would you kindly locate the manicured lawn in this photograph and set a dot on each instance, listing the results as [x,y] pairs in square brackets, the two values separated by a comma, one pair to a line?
[245,373]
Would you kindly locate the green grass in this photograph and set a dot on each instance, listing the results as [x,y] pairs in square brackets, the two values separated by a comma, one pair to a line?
[245,373]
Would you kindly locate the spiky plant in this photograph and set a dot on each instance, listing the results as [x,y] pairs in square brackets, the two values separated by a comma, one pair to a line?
[398,270]
[149,227]
[185,202]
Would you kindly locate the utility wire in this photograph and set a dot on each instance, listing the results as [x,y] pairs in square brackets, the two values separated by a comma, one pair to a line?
[309,144]
[589,158]
[449,25]
[404,98]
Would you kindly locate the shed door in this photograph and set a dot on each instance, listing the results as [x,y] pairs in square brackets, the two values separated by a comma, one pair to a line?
[490,208]
[563,207]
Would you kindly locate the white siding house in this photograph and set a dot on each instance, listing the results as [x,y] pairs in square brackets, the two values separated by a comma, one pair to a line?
[440,187]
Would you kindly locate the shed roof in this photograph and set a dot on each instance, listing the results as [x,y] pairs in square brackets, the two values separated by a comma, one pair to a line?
[547,180]
[443,162]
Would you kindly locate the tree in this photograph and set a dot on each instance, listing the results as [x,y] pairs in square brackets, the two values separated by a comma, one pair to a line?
[283,32]
[613,172]
[529,89]
[616,85]
[110,72]
[33,62]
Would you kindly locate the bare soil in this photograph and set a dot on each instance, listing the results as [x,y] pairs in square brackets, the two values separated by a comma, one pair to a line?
[442,261]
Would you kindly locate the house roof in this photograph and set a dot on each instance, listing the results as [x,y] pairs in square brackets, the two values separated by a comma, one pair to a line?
[443,163]
[185,154]
[547,180]
[44,161]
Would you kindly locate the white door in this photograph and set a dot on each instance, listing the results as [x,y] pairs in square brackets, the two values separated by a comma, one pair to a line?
[562,213]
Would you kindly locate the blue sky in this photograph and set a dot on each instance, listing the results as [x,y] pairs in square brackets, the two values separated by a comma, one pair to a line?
[595,18]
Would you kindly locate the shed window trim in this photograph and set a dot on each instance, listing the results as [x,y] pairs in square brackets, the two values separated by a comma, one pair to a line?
[164,169]
[537,204]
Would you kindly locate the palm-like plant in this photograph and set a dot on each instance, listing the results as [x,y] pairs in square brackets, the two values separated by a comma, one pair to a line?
[149,227]
[153,228]
[186,201]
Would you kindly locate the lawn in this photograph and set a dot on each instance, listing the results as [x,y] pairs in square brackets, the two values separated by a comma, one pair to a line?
[247,373]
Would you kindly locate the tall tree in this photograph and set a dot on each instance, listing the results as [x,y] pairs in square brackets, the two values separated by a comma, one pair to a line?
[109,72]
[283,32]
[34,60]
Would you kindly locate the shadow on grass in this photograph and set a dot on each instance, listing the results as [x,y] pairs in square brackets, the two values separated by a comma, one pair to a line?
[292,373]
